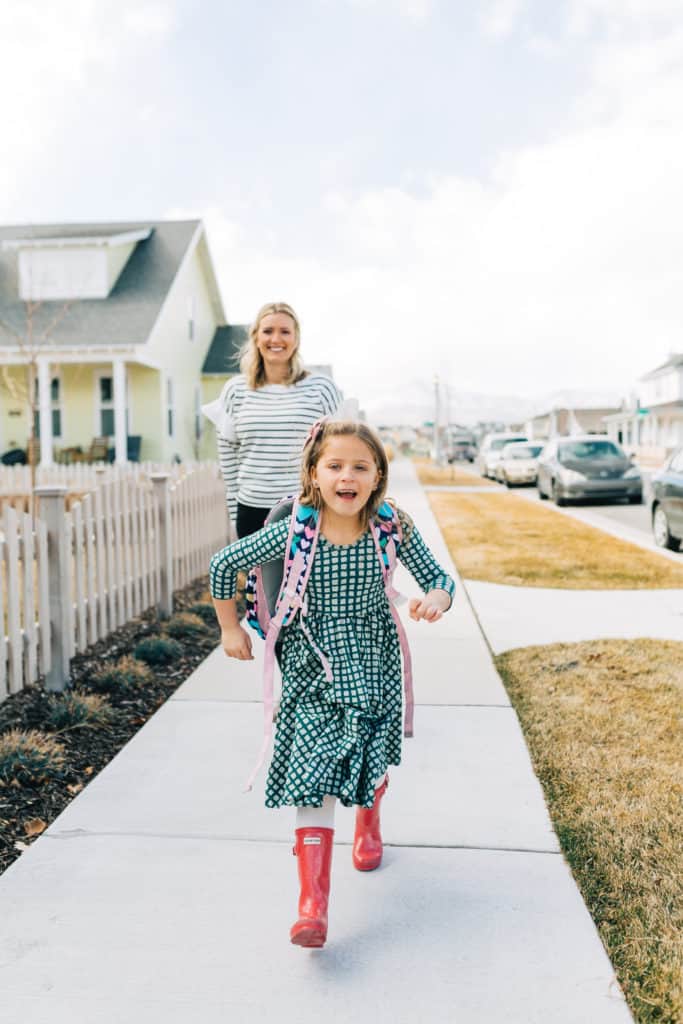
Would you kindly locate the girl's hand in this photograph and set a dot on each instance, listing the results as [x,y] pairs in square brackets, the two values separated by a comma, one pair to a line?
[430,607]
[236,643]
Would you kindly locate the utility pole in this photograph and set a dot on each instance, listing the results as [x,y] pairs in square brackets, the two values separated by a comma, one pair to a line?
[437,422]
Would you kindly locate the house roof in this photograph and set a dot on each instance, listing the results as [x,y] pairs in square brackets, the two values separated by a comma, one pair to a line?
[83,236]
[128,314]
[675,359]
[577,410]
[223,356]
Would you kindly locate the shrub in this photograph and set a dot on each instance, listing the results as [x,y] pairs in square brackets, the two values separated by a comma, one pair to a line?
[78,711]
[186,626]
[123,676]
[206,612]
[158,650]
[30,757]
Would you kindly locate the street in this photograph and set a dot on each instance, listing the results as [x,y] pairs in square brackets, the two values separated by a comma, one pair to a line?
[636,517]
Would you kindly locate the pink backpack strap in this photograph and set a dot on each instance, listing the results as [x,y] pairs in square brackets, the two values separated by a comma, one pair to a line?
[387,555]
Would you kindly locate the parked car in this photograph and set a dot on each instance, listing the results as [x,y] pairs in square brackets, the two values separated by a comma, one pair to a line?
[572,468]
[666,503]
[518,463]
[461,444]
[490,449]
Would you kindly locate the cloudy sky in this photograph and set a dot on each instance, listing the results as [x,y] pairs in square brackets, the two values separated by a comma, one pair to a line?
[490,191]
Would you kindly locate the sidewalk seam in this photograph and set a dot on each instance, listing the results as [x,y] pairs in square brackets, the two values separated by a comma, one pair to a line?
[204,837]
[418,704]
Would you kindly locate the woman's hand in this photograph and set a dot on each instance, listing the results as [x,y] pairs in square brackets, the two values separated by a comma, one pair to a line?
[430,607]
[236,643]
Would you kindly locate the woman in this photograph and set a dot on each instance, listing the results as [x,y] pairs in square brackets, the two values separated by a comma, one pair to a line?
[264,415]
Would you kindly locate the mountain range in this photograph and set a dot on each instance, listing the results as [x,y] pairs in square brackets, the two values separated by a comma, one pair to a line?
[469,407]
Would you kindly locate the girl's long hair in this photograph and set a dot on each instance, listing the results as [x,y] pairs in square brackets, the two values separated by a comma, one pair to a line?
[251,360]
[310,494]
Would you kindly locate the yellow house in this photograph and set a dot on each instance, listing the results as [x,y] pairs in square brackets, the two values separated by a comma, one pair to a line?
[115,321]
[221,363]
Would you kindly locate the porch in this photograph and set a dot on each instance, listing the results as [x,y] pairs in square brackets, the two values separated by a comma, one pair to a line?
[651,434]
[84,410]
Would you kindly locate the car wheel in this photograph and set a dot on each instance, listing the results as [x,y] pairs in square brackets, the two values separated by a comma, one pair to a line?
[662,534]
[541,493]
[557,497]
[635,499]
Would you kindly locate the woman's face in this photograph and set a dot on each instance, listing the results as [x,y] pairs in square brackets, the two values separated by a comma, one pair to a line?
[276,339]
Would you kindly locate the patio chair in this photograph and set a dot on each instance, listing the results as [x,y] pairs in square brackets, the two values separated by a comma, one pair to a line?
[97,452]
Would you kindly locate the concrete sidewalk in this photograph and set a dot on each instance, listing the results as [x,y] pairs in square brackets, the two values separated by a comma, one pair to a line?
[524,616]
[163,892]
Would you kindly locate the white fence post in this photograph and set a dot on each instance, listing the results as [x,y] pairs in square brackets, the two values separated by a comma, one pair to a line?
[10,522]
[52,512]
[162,493]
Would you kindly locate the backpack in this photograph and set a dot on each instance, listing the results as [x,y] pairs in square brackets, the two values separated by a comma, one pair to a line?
[276,591]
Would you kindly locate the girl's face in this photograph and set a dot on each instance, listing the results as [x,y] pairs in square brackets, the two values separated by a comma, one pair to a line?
[346,474]
[276,339]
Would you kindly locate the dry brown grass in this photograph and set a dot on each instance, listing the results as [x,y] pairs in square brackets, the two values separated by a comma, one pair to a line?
[436,476]
[502,538]
[603,721]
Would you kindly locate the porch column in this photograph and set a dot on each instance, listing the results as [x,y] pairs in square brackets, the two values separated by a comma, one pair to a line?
[45,408]
[120,431]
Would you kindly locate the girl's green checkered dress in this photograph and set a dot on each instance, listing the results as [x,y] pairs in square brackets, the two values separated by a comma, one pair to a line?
[335,738]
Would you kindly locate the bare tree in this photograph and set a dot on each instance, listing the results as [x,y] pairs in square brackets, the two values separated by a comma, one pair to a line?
[32,343]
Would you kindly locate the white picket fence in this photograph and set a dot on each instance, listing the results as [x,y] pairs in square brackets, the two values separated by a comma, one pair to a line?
[24,602]
[79,478]
[70,578]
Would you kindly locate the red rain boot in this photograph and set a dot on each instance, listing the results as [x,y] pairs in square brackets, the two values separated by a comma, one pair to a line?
[313,850]
[367,843]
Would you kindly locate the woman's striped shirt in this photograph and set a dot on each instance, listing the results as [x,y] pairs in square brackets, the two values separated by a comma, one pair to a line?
[261,434]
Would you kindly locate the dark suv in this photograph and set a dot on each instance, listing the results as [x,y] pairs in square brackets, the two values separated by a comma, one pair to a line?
[666,503]
[587,467]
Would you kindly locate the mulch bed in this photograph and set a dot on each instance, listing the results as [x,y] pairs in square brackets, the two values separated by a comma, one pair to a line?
[23,808]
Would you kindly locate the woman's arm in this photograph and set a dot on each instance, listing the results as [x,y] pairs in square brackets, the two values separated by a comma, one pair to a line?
[228,460]
[330,396]
[228,443]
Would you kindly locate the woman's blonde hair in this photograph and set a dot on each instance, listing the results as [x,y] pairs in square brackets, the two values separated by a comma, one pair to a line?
[251,360]
[313,450]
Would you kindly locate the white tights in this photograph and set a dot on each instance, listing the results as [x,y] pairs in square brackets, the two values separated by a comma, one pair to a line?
[322,817]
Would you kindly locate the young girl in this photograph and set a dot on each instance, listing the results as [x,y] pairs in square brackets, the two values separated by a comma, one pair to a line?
[335,739]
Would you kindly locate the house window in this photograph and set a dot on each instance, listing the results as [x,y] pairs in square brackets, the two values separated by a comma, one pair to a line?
[105,422]
[170,407]
[190,319]
[55,402]
[106,406]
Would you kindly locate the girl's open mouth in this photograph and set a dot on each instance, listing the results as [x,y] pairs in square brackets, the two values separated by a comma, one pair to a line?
[347,495]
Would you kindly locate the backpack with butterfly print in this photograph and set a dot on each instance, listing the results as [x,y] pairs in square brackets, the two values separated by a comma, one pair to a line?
[276,591]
